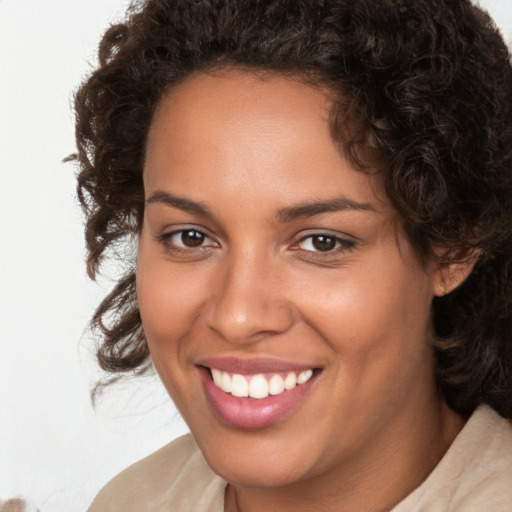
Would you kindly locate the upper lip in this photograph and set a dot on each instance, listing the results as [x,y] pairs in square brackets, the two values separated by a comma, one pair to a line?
[253,365]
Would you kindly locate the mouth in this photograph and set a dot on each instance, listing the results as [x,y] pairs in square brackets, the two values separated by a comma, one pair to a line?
[258,386]
[254,394]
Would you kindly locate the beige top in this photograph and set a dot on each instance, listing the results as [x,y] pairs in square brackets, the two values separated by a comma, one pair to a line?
[475,475]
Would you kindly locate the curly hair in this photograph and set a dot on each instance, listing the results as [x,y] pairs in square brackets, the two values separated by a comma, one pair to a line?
[421,90]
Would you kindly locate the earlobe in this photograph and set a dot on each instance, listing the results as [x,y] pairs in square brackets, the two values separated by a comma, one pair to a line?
[449,276]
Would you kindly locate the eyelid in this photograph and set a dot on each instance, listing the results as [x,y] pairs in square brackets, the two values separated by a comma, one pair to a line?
[165,238]
[343,242]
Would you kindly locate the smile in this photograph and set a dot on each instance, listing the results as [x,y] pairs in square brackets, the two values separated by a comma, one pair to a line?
[258,386]
[255,393]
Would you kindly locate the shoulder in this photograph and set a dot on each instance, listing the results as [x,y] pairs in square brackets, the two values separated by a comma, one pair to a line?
[476,472]
[176,474]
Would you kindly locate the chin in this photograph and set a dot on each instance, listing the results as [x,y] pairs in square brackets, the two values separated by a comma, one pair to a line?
[258,459]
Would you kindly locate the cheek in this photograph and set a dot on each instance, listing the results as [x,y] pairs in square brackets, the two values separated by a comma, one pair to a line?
[156,302]
[372,313]
[168,304]
[168,300]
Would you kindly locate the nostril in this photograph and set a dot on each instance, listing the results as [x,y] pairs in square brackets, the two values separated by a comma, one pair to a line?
[249,321]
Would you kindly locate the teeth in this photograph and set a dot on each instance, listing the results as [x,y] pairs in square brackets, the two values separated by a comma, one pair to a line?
[304,376]
[225,384]
[291,381]
[239,386]
[258,386]
[217,377]
[276,385]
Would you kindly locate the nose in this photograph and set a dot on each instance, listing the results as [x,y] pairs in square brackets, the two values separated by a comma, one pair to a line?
[248,301]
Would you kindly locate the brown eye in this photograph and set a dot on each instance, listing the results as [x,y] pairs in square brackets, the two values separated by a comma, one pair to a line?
[187,243]
[186,240]
[192,238]
[323,243]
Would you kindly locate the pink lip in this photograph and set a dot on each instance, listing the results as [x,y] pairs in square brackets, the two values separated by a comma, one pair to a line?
[252,366]
[250,413]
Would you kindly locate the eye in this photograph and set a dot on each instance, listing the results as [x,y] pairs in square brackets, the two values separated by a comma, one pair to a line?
[186,239]
[323,242]
[189,238]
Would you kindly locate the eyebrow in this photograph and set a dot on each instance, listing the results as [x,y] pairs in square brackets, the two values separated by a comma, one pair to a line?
[310,209]
[287,214]
[181,203]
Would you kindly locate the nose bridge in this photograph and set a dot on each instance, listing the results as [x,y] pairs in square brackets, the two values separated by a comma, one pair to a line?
[248,299]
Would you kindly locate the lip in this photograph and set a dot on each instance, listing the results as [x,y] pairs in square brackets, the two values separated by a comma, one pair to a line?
[252,366]
[250,413]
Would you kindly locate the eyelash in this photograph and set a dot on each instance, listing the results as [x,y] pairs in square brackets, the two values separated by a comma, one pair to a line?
[340,244]
[167,240]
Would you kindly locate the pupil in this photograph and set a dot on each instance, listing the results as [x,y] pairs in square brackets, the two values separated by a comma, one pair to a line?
[324,243]
[192,238]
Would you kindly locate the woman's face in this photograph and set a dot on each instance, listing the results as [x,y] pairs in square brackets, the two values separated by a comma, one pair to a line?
[265,257]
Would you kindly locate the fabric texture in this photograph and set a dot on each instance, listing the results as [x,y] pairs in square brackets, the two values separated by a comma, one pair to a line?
[475,475]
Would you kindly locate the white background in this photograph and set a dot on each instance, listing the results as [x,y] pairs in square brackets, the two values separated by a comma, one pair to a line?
[55,450]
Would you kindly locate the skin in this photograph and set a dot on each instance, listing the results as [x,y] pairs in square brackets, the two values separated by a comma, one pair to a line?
[371,427]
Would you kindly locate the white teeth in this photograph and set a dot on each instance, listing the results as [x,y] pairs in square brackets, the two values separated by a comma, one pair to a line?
[258,387]
[291,381]
[276,385]
[217,377]
[239,386]
[304,376]
[225,384]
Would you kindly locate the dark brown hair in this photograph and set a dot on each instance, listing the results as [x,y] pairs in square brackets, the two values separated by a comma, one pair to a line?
[422,90]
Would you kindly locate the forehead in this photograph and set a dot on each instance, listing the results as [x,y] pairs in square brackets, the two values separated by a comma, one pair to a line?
[246,89]
[269,131]
[239,103]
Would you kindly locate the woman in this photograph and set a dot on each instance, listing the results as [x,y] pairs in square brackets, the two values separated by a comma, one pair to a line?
[320,193]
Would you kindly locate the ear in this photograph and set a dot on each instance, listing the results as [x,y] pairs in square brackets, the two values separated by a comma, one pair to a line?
[450,275]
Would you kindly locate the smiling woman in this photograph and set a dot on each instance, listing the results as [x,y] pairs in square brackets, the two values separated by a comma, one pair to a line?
[259,296]
[320,192]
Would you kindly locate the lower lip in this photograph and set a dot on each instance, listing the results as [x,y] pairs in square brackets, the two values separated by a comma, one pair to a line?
[252,413]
